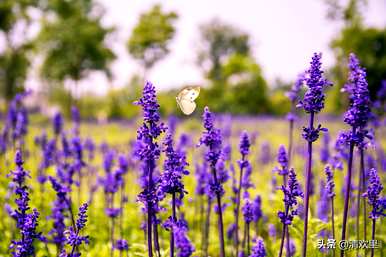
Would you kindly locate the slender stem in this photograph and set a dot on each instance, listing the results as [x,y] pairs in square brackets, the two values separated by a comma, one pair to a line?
[287,237]
[156,237]
[373,237]
[149,212]
[248,240]
[112,236]
[363,190]
[290,143]
[206,228]
[358,205]
[283,233]
[348,189]
[238,208]
[332,223]
[307,189]
[174,220]
[220,219]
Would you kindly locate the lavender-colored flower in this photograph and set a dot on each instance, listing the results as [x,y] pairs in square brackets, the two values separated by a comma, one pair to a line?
[313,101]
[256,207]
[324,151]
[323,206]
[121,245]
[89,146]
[265,153]
[272,230]
[330,185]
[282,160]
[247,211]
[183,244]
[291,192]
[374,190]
[112,212]
[148,152]
[258,248]
[211,137]
[75,115]
[25,222]
[108,160]
[359,112]
[59,208]
[174,168]
[294,95]
[244,144]
[57,123]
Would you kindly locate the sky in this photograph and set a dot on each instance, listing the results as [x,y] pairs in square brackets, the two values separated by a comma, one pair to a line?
[284,33]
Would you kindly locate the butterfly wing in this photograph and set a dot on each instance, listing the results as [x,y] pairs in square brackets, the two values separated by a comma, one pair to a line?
[186,106]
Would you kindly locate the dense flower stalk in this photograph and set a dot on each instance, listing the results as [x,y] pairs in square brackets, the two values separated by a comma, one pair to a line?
[243,164]
[357,116]
[148,153]
[291,192]
[25,222]
[171,181]
[211,138]
[258,249]
[329,187]
[374,190]
[74,239]
[312,103]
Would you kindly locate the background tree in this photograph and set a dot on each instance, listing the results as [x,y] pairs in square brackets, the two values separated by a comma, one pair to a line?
[72,41]
[14,60]
[150,38]
[218,42]
[368,43]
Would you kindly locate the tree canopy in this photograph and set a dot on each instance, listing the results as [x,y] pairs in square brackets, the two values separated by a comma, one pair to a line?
[150,38]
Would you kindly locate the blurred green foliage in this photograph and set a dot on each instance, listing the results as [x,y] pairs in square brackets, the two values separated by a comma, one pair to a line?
[151,36]
[73,42]
[14,60]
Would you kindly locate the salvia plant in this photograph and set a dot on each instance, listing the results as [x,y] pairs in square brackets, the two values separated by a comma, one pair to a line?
[312,103]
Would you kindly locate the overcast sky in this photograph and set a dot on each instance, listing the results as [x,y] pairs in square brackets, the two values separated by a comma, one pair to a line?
[284,35]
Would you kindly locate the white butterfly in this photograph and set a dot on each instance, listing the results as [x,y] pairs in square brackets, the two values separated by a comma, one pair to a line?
[185,99]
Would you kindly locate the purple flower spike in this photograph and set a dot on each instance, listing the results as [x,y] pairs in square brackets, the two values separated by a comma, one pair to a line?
[258,249]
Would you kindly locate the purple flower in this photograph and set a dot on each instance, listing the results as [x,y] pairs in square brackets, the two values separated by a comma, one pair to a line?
[174,168]
[313,101]
[282,160]
[374,190]
[294,95]
[113,212]
[291,192]
[244,144]
[82,217]
[258,248]
[183,244]
[330,185]
[324,151]
[57,123]
[60,206]
[25,222]
[265,153]
[323,206]
[247,211]
[359,111]
[256,209]
[211,138]
[121,245]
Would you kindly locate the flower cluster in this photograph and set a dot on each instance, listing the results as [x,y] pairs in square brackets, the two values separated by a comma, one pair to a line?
[247,211]
[174,168]
[282,160]
[25,222]
[211,138]
[291,192]
[374,190]
[183,244]
[313,101]
[330,185]
[258,248]
[359,112]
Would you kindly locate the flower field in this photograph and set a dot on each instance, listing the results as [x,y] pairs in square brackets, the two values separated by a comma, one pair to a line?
[218,186]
